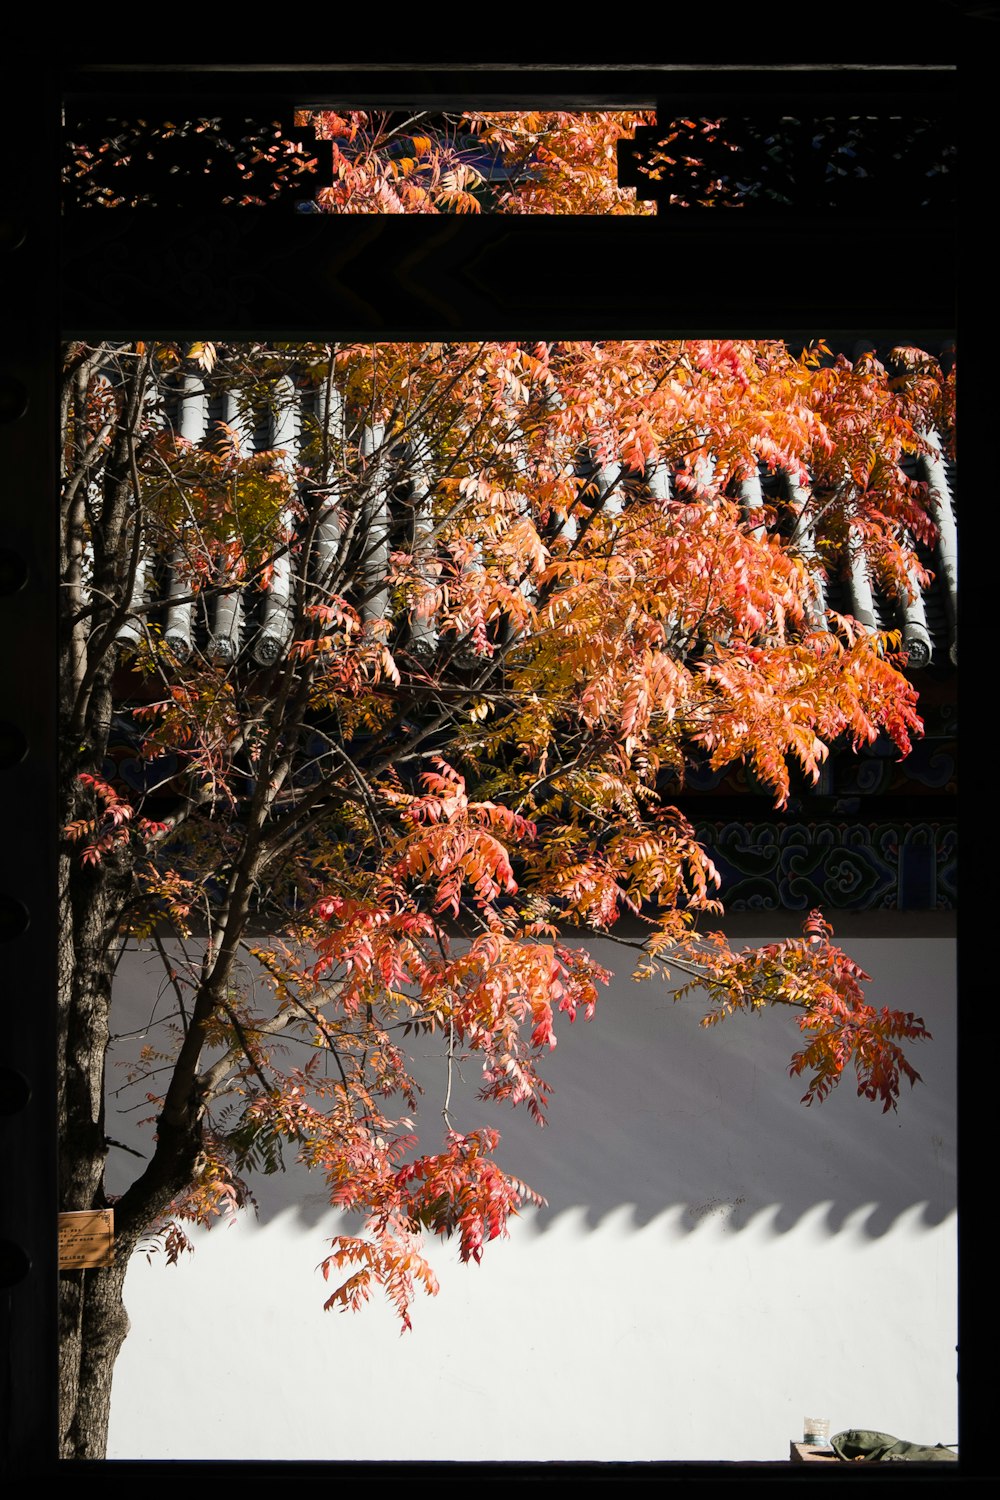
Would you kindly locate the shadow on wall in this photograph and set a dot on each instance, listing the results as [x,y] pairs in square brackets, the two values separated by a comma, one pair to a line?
[650,1112]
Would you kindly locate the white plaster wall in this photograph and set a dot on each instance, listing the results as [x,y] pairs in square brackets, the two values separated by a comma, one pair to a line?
[716,1262]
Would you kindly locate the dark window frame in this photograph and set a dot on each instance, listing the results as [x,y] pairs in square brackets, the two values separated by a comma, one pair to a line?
[392,278]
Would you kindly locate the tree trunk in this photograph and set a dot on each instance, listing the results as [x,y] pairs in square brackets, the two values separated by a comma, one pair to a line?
[92,1318]
[92,1327]
[93,1322]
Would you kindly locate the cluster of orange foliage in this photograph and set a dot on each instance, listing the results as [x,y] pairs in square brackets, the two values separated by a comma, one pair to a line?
[518,162]
[449,788]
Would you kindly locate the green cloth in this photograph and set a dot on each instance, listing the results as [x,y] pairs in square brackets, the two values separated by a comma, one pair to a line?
[882,1447]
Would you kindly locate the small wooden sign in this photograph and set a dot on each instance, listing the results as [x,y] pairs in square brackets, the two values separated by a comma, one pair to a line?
[86,1238]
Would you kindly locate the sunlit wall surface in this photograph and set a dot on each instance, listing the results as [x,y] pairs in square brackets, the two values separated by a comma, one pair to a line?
[715,1262]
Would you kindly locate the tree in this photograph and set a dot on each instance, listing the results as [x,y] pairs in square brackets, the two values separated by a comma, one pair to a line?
[462,622]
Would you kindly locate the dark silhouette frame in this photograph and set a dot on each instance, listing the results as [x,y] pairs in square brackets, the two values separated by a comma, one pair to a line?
[396,277]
